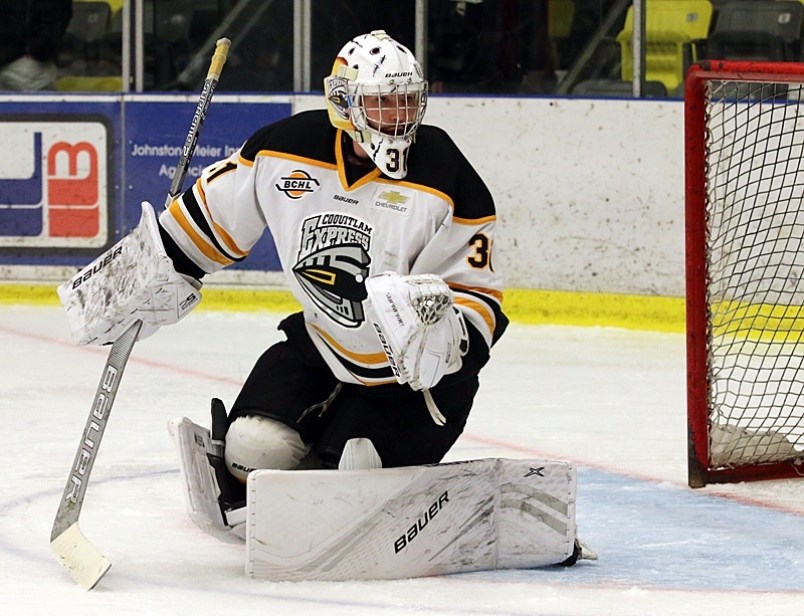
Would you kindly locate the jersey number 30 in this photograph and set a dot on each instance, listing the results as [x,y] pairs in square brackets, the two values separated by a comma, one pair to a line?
[397,161]
[482,255]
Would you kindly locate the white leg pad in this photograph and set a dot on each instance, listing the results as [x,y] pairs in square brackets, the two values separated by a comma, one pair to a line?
[409,522]
[199,485]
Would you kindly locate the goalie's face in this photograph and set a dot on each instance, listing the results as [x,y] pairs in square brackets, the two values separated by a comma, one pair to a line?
[396,114]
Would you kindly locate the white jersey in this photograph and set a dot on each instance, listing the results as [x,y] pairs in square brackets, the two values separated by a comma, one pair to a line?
[335,223]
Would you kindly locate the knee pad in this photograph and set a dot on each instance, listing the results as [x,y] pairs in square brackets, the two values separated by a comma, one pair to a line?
[253,442]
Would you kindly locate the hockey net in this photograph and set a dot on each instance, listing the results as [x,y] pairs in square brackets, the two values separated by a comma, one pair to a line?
[744,142]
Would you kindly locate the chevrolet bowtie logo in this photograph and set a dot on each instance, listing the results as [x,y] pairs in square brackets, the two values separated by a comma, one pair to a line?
[392,196]
[535,471]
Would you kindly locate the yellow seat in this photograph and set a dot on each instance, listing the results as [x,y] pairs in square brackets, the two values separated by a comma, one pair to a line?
[560,14]
[87,61]
[83,83]
[672,30]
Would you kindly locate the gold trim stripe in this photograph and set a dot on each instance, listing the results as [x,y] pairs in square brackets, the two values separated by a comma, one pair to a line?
[474,221]
[227,239]
[369,359]
[481,309]
[483,291]
[420,187]
[207,249]
[298,159]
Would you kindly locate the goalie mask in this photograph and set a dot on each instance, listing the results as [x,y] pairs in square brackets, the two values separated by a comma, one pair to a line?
[377,94]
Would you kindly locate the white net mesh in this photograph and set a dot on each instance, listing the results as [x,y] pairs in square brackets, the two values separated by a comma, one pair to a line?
[755,261]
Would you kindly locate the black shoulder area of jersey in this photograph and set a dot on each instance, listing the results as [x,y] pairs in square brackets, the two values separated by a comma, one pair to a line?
[436,162]
[308,134]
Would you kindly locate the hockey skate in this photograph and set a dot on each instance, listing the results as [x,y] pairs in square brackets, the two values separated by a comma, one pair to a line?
[214,499]
[580,551]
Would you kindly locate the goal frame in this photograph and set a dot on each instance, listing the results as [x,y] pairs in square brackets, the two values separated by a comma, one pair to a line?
[700,471]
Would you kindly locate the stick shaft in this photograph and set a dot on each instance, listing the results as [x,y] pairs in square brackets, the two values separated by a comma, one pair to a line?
[73,497]
[214,73]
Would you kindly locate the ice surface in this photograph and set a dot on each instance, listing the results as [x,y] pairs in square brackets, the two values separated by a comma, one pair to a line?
[612,401]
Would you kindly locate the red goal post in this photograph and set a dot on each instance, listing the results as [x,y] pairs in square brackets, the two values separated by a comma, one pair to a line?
[744,176]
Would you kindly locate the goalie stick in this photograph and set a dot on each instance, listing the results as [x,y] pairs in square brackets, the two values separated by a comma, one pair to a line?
[83,561]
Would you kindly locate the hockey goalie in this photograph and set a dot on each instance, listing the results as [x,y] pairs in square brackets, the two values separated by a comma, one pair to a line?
[329,462]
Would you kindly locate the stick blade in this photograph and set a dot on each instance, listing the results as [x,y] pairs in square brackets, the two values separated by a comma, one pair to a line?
[85,564]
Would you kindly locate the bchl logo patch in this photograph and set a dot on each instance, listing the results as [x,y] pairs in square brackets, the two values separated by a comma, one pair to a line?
[297,184]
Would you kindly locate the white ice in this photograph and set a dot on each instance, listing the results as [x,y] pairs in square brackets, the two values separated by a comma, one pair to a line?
[612,401]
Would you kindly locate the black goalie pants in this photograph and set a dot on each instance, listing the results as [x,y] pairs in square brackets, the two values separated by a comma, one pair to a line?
[291,383]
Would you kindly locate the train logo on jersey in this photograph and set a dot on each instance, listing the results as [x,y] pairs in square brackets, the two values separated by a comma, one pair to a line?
[53,190]
[333,264]
[297,184]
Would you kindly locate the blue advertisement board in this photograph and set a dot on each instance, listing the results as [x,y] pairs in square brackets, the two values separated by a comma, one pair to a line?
[74,170]
[60,169]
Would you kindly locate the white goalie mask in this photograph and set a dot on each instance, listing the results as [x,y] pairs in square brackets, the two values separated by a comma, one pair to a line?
[377,94]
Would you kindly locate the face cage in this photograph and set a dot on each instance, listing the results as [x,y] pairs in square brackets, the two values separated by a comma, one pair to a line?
[393,110]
